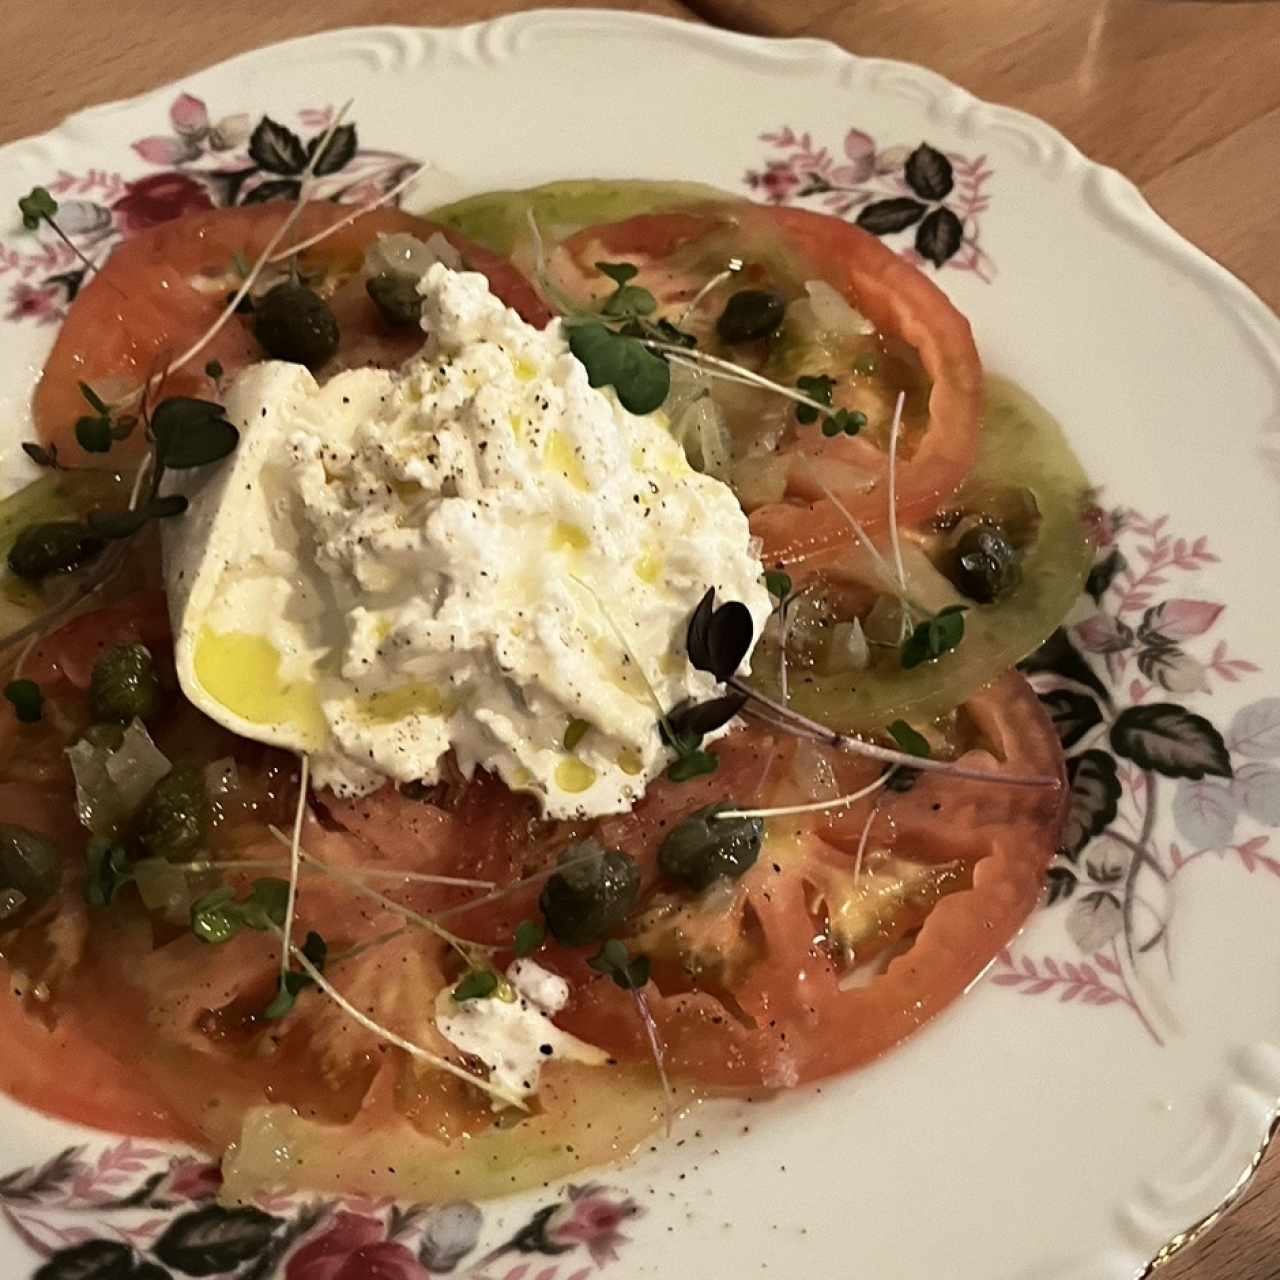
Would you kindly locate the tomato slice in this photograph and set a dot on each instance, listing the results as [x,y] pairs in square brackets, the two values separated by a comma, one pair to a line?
[679,251]
[163,288]
[784,1018]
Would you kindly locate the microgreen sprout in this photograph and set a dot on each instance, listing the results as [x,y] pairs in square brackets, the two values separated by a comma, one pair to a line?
[40,455]
[912,742]
[26,699]
[295,855]
[107,871]
[529,936]
[476,984]
[627,971]
[817,806]
[311,956]
[219,916]
[778,585]
[934,637]
[39,206]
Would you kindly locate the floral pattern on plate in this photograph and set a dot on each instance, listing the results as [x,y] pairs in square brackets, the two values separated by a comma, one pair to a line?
[887,191]
[1115,684]
[202,163]
[137,1212]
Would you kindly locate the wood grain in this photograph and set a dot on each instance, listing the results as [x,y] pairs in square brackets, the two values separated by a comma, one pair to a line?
[1182,95]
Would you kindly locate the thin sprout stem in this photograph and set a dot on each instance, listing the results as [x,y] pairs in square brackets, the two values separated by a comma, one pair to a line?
[385,1033]
[818,806]
[891,578]
[793,721]
[254,271]
[735,265]
[894,541]
[295,852]
[864,837]
[462,946]
[545,874]
[341,957]
[367,873]
[105,569]
[385,198]
[659,1059]
[736,371]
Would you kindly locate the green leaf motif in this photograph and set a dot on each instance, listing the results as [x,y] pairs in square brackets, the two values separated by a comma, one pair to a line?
[294,981]
[1095,796]
[214,1241]
[1171,740]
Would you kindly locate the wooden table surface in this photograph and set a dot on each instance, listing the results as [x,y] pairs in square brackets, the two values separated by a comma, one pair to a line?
[1182,95]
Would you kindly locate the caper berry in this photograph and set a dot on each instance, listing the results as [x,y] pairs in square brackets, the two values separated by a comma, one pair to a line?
[124,685]
[174,819]
[29,863]
[58,546]
[704,848]
[750,314]
[293,322]
[397,299]
[590,896]
[984,564]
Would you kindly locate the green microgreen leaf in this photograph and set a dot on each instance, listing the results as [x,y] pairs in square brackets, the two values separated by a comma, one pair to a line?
[817,387]
[26,698]
[619,272]
[530,935]
[107,871]
[717,639]
[36,205]
[575,732]
[778,584]
[908,740]
[692,763]
[934,637]
[640,378]
[478,984]
[93,435]
[630,300]
[96,402]
[191,433]
[665,331]
[628,971]
[218,917]
[124,524]
[41,456]
[294,981]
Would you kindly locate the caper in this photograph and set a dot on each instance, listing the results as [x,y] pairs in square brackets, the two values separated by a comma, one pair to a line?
[293,322]
[591,895]
[175,817]
[29,863]
[705,848]
[984,564]
[750,314]
[123,686]
[58,546]
[397,299]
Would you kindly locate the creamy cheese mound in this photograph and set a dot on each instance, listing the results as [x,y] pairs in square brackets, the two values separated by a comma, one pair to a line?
[479,552]
[511,1032]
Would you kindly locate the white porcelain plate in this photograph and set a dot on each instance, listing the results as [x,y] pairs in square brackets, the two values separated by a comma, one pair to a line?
[1111,1080]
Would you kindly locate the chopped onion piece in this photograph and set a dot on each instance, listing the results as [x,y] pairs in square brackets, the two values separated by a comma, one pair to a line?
[164,888]
[848,650]
[110,785]
[401,254]
[833,313]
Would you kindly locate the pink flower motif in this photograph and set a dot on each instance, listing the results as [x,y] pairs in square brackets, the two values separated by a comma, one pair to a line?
[354,1248]
[159,198]
[860,148]
[1104,634]
[26,302]
[778,182]
[1183,619]
[191,1178]
[593,1218]
[189,116]
[166,150]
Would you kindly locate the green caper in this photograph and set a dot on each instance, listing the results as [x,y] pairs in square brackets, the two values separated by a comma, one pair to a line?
[984,564]
[591,895]
[29,863]
[750,314]
[705,848]
[174,819]
[397,299]
[293,322]
[58,546]
[123,686]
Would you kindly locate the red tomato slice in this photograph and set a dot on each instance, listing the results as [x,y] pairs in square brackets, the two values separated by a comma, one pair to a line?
[893,294]
[787,1020]
[163,288]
